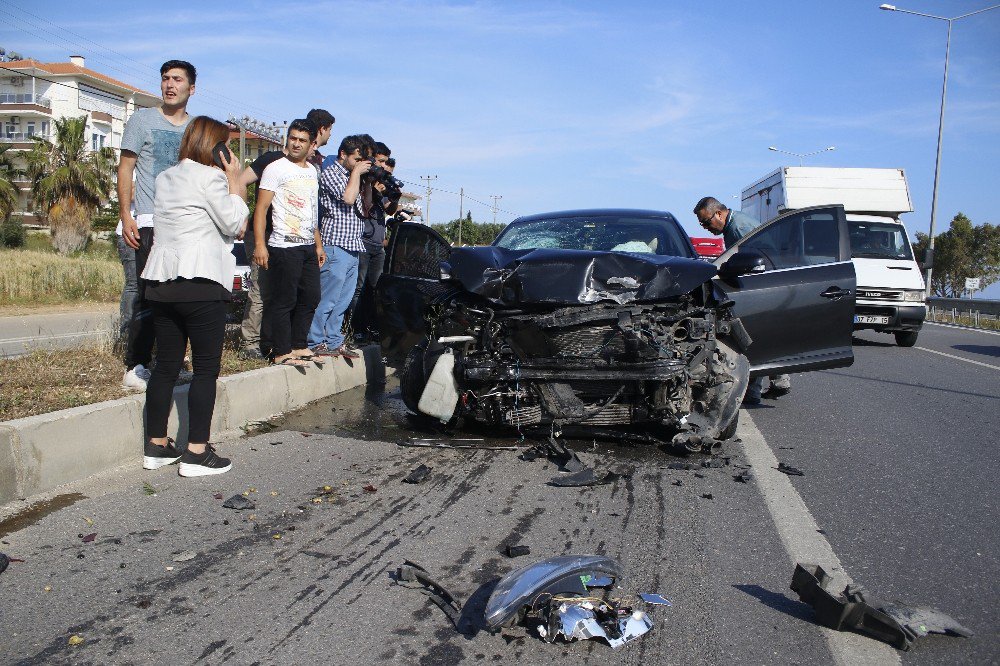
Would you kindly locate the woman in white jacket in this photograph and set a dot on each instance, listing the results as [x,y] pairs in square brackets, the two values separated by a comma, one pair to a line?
[199,209]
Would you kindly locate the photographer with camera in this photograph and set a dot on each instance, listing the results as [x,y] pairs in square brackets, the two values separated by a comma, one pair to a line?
[385,191]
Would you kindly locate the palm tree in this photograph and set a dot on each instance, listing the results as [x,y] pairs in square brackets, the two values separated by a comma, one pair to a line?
[8,188]
[70,182]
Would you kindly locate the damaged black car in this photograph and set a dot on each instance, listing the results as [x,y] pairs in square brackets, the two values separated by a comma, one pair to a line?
[606,320]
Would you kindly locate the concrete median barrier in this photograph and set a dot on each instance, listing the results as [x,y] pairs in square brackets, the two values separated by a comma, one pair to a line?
[39,453]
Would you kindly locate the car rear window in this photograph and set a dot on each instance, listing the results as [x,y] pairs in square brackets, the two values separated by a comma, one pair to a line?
[605,233]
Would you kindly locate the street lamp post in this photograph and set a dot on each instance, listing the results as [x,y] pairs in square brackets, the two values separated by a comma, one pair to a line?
[929,259]
[802,156]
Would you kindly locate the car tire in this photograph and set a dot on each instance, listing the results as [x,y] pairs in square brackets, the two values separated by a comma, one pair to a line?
[906,338]
[412,378]
[730,430]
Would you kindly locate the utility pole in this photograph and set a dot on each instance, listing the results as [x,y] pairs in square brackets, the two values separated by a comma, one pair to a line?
[495,197]
[461,205]
[427,207]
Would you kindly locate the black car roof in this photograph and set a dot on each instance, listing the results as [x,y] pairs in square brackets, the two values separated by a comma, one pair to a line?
[598,212]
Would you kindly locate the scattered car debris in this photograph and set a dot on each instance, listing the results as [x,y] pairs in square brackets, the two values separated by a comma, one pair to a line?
[75,640]
[589,477]
[894,623]
[789,470]
[678,482]
[278,443]
[185,555]
[707,496]
[4,562]
[557,452]
[555,596]
[239,502]
[419,475]
[89,537]
[655,599]
[411,572]
[517,551]
[369,488]
[743,477]
[453,444]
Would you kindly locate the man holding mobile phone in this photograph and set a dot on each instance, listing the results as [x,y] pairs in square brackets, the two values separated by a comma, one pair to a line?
[150,144]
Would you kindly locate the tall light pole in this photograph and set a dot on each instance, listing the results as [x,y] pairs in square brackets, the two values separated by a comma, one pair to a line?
[495,197]
[929,259]
[802,156]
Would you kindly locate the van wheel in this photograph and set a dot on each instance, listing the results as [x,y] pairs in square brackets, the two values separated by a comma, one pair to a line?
[412,379]
[906,338]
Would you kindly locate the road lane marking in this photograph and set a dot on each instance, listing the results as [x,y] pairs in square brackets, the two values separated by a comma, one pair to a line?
[959,358]
[55,336]
[963,328]
[803,542]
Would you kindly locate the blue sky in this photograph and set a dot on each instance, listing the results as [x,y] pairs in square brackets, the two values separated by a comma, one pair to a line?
[556,105]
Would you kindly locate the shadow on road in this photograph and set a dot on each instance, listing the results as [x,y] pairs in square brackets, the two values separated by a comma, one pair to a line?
[861,342]
[922,386]
[985,350]
[779,602]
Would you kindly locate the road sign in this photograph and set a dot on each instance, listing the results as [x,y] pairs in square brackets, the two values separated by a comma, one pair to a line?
[971,284]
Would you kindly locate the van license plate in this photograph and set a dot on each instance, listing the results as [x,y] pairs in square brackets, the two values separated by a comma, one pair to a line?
[870,319]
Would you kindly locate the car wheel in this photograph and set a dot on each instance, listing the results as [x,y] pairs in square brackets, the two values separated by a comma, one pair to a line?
[412,379]
[730,430]
[906,338]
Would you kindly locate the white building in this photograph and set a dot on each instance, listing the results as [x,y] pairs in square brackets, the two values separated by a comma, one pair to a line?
[33,93]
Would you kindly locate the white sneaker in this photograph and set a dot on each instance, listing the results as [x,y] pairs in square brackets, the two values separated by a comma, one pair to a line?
[136,379]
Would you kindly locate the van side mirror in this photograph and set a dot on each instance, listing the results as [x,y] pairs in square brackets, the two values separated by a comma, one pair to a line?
[745,262]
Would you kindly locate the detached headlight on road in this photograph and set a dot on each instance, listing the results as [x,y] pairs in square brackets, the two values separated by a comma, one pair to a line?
[914,295]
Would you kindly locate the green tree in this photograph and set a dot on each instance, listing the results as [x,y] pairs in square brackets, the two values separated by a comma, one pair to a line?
[8,188]
[473,233]
[963,251]
[69,182]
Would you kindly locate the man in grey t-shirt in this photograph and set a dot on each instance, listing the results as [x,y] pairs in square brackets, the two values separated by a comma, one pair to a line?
[150,144]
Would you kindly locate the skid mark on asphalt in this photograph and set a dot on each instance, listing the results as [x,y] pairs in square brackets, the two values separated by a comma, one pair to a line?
[959,358]
[803,542]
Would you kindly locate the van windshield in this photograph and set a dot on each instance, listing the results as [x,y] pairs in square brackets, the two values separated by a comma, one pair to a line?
[879,240]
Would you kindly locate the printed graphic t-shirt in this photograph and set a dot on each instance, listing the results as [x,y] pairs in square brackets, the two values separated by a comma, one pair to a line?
[295,204]
[156,143]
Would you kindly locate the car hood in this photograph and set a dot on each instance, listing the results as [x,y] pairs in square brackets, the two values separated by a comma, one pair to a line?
[522,277]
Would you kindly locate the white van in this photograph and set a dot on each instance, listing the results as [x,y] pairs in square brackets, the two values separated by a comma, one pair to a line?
[891,295]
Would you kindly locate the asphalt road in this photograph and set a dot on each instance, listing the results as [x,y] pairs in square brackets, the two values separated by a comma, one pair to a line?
[899,489]
[56,330]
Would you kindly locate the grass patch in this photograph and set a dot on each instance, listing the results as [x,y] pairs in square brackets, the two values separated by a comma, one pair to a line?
[39,277]
[49,380]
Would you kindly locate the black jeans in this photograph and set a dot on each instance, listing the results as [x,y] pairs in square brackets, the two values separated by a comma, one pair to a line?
[294,285]
[204,324]
[370,266]
[141,334]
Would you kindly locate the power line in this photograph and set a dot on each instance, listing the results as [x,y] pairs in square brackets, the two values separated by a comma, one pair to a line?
[465,195]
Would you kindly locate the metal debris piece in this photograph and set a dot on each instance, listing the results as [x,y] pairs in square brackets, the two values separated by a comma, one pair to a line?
[185,555]
[789,470]
[678,482]
[599,581]
[239,502]
[894,623]
[680,465]
[708,496]
[743,477]
[655,599]
[411,572]
[588,477]
[89,537]
[453,444]
[517,551]
[418,475]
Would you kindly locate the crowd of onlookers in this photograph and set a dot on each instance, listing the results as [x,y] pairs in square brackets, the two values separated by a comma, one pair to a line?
[316,237]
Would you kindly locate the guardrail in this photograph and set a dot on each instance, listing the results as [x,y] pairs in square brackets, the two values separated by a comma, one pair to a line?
[980,313]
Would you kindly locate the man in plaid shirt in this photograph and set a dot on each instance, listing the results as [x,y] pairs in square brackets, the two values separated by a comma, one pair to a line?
[341,226]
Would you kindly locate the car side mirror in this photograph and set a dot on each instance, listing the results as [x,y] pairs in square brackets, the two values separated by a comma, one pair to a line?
[746,262]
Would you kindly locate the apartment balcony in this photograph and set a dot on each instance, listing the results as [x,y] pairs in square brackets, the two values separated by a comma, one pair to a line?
[25,103]
[21,140]
[100,117]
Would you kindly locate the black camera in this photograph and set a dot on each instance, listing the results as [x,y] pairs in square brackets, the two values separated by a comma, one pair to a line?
[393,186]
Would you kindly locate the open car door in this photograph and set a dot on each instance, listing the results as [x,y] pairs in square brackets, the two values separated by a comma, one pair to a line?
[410,281]
[799,311]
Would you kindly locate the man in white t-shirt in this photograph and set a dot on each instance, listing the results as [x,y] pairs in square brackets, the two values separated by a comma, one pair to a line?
[293,254]
[150,144]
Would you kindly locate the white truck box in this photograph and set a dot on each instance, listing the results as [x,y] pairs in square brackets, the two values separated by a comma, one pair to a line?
[890,288]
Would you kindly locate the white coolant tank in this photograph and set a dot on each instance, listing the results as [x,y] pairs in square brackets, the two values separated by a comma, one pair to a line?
[440,396]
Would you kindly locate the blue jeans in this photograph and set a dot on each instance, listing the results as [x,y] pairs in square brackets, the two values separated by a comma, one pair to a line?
[130,292]
[338,278]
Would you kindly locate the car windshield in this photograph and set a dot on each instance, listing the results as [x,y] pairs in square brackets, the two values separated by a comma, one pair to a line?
[879,240]
[603,232]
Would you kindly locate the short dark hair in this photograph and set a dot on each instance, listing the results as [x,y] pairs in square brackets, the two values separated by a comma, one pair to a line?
[188,68]
[711,205]
[382,149]
[303,125]
[367,145]
[321,118]
[391,162]
[350,144]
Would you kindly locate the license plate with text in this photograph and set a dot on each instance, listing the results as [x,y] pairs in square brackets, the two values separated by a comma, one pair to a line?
[870,319]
